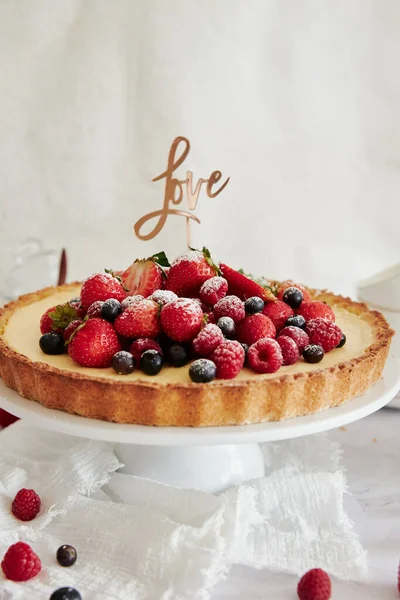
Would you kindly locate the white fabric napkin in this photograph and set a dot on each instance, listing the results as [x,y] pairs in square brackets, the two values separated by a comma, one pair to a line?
[168,543]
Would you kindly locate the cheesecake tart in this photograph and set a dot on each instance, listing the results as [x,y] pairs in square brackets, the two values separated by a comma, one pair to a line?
[173,396]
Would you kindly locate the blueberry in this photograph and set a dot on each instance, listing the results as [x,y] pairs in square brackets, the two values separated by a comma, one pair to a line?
[123,362]
[313,353]
[151,362]
[293,296]
[202,370]
[246,349]
[74,301]
[227,326]
[296,321]
[342,341]
[111,309]
[254,305]
[66,555]
[66,593]
[177,355]
[52,343]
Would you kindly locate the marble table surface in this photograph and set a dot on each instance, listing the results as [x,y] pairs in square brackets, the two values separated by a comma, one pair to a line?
[371,456]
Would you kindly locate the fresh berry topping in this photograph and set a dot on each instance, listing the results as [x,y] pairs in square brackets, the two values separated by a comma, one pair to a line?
[279,312]
[295,321]
[189,271]
[164,297]
[265,356]
[139,320]
[255,327]
[342,341]
[95,344]
[71,328]
[145,276]
[141,345]
[101,286]
[26,505]
[58,318]
[151,362]
[20,562]
[66,555]
[181,320]
[6,418]
[94,310]
[242,286]
[209,338]
[178,355]
[52,343]
[66,593]
[293,297]
[290,351]
[314,585]
[314,309]
[313,353]
[230,306]
[213,289]
[287,284]
[298,335]
[123,362]
[227,326]
[202,370]
[254,305]
[324,332]
[229,359]
[110,310]
[129,300]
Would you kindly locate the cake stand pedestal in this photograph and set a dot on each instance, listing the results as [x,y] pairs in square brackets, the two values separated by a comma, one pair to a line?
[207,458]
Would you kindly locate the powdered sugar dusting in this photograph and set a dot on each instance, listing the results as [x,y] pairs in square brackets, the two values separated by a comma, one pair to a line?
[188,256]
[164,297]
[214,284]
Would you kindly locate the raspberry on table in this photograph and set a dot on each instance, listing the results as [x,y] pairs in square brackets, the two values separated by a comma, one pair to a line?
[230,306]
[209,338]
[298,335]
[314,309]
[26,505]
[290,351]
[20,562]
[265,356]
[323,333]
[278,312]
[141,345]
[314,585]
[213,290]
[254,328]
[229,359]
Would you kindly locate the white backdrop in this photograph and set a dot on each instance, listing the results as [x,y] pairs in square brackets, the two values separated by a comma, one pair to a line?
[298,101]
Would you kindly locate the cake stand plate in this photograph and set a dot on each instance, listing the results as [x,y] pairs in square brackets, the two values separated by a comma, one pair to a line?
[206,458]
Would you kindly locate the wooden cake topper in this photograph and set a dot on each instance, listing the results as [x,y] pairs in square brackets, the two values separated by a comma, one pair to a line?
[176,189]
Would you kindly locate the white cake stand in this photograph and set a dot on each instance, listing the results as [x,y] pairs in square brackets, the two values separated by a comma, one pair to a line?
[208,458]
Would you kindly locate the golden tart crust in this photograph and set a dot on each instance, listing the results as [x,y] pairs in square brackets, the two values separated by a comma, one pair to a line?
[149,401]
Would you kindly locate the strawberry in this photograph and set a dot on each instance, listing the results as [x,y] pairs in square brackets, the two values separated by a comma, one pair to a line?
[254,328]
[181,320]
[139,320]
[315,309]
[145,276]
[189,271]
[57,318]
[102,286]
[94,344]
[242,286]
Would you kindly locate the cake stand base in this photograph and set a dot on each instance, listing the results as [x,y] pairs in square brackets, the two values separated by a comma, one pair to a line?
[208,468]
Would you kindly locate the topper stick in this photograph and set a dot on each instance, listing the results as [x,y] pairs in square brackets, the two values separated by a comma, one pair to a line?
[188,238]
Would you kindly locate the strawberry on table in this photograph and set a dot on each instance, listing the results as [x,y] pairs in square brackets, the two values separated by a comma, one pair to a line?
[189,271]
[146,275]
[242,286]
[94,344]
[102,286]
[139,320]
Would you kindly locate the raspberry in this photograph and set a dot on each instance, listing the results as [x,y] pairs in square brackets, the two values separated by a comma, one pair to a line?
[290,351]
[129,300]
[181,320]
[265,356]
[230,306]
[213,289]
[254,328]
[46,323]
[20,562]
[312,310]
[324,333]
[287,284]
[278,312]
[141,345]
[26,505]
[71,328]
[94,310]
[163,297]
[298,335]
[209,338]
[314,585]
[229,359]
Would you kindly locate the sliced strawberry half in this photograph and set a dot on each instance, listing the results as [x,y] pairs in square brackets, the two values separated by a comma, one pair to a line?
[146,275]
[242,286]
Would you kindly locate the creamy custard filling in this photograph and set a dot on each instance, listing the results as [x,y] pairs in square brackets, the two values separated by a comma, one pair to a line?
[22,334]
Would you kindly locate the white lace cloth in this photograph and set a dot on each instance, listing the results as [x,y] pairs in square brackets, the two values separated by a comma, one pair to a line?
[171,544]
